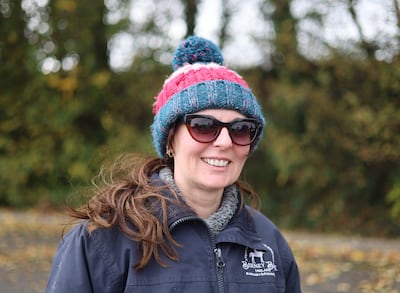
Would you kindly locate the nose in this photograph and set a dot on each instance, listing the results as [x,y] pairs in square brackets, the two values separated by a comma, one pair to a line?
[223,139]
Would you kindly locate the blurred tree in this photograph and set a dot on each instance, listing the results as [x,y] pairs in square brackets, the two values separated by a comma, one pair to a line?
[57,127]
[332,143]
[190,15]
[330,156]
[21,85]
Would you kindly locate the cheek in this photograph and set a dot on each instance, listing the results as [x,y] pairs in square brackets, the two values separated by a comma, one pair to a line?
[182,141]
[242,152]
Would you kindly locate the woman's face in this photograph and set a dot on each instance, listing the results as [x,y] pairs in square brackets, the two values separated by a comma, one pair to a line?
[208,166]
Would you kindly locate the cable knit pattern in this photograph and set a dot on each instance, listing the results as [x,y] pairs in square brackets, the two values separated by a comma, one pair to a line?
[218,220]
[193,74]
[200,81]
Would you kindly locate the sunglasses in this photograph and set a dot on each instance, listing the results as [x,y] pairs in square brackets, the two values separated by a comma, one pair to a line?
[205,129]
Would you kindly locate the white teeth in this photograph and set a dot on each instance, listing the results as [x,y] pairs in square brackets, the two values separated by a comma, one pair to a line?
[217,163]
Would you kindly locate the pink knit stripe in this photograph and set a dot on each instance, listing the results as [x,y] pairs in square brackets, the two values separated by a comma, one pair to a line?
[192,77]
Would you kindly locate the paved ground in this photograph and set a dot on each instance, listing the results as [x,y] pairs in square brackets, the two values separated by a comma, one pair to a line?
[332,263]
[327,263]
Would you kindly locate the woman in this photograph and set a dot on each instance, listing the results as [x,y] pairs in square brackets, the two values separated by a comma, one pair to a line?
[179,222]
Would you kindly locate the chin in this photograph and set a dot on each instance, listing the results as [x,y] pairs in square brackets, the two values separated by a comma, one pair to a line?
[210,185]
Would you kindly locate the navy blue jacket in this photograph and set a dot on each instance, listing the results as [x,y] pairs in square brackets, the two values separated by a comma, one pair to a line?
[249,255]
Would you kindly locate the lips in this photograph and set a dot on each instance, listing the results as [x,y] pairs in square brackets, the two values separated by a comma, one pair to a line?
[216,162]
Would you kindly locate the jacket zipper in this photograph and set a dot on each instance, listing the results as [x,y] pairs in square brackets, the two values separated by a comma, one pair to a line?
[219,261]
[220,269]
[182,220]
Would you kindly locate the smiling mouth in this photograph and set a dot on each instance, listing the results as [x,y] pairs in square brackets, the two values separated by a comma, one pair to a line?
[215,162]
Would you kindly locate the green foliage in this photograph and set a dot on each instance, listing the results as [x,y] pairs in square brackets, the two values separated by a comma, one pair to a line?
[333,141]
[57,128]
[393,196]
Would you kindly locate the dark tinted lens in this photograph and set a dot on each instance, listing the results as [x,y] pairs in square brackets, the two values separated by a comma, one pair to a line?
[203,129]
[243,132]
[206,129]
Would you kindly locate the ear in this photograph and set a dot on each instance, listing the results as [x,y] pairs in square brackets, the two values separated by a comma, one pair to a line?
[170,142]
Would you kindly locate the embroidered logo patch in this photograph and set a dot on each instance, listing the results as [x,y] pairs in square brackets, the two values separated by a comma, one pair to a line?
[259,263]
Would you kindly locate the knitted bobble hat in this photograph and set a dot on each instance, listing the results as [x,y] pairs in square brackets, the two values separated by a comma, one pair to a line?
[200,81]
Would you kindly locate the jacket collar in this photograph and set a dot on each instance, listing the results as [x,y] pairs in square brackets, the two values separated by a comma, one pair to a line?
[176,206]
[241,224]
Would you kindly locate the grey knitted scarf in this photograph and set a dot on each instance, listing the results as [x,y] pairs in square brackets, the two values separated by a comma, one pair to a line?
[218,220]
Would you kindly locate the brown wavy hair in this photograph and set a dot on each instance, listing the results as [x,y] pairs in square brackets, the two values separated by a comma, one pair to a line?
[123,195]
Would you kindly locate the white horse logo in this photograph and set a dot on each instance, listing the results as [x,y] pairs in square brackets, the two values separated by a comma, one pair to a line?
[257,254]
[259,263]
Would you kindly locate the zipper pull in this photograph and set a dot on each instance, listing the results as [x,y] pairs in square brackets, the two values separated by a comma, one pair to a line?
[220,260]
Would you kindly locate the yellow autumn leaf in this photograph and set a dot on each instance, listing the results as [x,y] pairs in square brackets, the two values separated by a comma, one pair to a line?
[67,5]
[357,256]
[100,79]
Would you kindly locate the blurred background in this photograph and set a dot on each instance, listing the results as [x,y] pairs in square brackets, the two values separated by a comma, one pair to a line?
[78,80]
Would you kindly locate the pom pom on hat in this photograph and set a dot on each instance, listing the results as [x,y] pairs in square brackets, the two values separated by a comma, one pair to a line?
[199,82]
[196,50]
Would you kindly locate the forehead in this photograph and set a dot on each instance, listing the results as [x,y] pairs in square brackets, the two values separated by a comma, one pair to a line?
[222,114]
